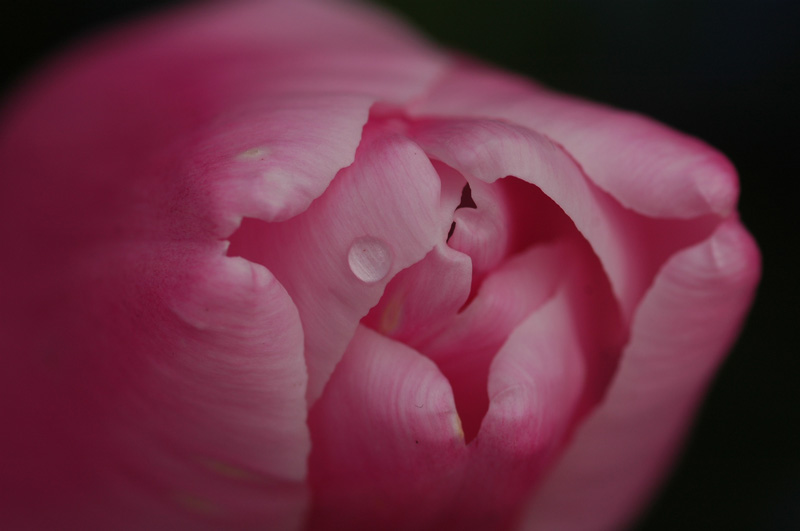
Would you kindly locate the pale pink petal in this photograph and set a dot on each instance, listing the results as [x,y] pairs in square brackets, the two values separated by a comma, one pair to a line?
[453,184]
[379,216]
[535,385]
[543,378]
[483,233]
[469,341]
[646,166]
[682,329]
[154,381]
[239,96]
[418,301]
[388,447]
[165,389]
[488,150]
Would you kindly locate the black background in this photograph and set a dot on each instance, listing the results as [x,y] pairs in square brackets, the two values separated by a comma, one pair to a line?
[727,71]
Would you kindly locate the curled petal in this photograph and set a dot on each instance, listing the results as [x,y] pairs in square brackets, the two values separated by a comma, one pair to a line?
[379,216]
[469,341]
[535,384]
[488,150]
[646,166]
[683,327]
[417,301]
[237,96]
[169,390]
[483,233]
[388,446]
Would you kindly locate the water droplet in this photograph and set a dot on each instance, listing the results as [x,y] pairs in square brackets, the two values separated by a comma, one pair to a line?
[370,259]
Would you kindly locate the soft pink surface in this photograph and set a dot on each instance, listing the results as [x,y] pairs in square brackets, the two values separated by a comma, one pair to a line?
[683,327]
[150,381]
[243,289]
[647,167]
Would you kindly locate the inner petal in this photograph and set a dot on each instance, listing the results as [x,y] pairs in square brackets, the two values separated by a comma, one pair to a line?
[465,348]
[505,235]
[378,216]
[482,232]
[416,301]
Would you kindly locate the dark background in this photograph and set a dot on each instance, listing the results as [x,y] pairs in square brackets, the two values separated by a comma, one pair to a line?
[727,71]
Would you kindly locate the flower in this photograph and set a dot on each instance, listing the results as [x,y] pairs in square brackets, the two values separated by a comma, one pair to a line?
[282,265]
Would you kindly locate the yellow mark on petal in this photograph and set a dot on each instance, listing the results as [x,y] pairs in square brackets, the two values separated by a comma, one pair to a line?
[253,153]
[390,319]
[457,427]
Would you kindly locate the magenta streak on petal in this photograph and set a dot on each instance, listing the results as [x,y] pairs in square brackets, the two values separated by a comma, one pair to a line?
[646,166]
[680,332]
[391,195]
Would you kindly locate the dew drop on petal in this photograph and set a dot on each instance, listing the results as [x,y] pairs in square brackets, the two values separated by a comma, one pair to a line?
[370,259]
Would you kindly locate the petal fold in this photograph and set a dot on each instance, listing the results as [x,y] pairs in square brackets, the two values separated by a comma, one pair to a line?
[646,166]
[418,302]
[168,392]
[488,150]
[683,327]
[388,446]
[468,341]
[379,216]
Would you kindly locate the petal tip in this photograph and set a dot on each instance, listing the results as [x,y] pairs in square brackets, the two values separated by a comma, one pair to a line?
[735,254]
[718,184]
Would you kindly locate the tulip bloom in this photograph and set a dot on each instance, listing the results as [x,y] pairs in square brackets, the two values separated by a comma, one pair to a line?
[283,265]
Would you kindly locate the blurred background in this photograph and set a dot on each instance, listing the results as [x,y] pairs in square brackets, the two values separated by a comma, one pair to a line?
[727,71]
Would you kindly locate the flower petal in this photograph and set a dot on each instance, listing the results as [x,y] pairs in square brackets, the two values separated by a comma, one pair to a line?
[682,329]
[123,166]
[167,389]
[488,150]
[379,216]
[483,233]
[237,95]
[469,340]
[551,368]
[646,166]
[535,384]
[417,302]
[388,446]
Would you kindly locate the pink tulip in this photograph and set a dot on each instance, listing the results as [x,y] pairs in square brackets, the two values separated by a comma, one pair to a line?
[281,265]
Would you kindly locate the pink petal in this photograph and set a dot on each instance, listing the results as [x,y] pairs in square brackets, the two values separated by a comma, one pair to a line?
[469,341]
[483,233]
[417,302]
[387,203]
[165,387]
[155,381]
[488,150]
[545,376]
[237,95]
[535,385]
[647,167]
[388,447]
[682,329]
